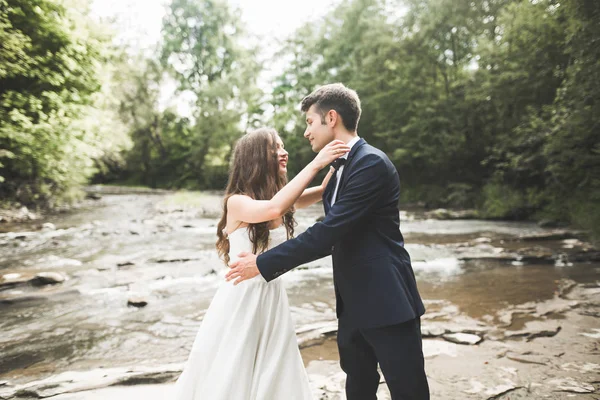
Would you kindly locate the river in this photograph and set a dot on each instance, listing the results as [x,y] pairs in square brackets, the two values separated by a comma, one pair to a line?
[160,248]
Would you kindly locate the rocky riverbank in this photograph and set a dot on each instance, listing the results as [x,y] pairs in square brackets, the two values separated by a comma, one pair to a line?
[104,301]
[535,350]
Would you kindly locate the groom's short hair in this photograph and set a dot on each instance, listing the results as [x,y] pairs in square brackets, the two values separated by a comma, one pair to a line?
[338,97]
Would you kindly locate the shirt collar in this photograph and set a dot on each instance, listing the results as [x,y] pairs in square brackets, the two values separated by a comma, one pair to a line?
[351,144]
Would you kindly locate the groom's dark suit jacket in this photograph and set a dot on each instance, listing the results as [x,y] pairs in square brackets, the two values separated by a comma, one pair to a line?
[374,281]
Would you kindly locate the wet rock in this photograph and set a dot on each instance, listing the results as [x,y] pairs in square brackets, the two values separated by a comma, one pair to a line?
[137,301]
[534,329]
[570,385]
[594,335]
[125,264]
[72,382]
[444,214]
[134,233]
[11,280]
[554,306]
[571,243]
[500,390]
[312,334]
[48,226]
[55,295]
[433,348]
[48,278]
[565,286]
[463,338]
[57,262]
[491,392]
[431,331]
[583,368]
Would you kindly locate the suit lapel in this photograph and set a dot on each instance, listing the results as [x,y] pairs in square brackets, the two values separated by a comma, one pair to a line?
[348,164]
[328,191]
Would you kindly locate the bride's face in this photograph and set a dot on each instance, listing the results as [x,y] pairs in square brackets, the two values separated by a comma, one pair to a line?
[282,156]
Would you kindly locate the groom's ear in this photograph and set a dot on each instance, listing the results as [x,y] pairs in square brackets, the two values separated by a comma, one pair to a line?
[331,118]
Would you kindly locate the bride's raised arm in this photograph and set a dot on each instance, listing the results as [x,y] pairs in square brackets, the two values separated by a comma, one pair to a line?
[245,209]
[314,194]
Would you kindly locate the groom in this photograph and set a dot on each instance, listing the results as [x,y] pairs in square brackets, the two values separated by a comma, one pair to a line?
[378,304]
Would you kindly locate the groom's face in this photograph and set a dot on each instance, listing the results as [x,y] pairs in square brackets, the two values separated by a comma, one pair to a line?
[318,132]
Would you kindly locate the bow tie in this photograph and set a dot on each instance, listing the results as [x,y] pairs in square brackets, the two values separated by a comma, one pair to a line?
[338,163]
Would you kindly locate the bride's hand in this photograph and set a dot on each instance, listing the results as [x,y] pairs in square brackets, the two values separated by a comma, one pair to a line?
[331,152]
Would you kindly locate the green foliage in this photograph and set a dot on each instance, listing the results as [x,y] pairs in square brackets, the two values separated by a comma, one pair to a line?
[49,62]
[487,103]
[478,103]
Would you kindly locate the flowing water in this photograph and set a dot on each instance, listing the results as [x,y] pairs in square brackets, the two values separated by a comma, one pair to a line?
[161,248]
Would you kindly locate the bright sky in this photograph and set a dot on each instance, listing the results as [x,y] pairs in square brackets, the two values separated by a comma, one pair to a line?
[139,21]
[138,24]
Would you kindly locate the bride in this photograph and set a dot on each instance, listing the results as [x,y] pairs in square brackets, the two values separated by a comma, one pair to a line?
[246,347]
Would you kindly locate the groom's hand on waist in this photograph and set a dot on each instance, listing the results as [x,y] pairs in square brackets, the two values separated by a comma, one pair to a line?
[243,268]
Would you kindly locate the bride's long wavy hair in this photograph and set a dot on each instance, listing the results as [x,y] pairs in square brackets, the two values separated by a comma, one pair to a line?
[254,172]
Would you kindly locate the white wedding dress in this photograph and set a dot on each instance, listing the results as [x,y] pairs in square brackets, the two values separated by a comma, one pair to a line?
[246,348]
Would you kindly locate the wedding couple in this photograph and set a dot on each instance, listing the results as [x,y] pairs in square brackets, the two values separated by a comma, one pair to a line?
[246,347]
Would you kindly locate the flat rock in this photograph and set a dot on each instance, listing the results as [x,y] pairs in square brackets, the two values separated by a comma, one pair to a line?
[463,338]
[48,278]
[434,348]
[571,385]
[76,381]
[583,368]
[310,334]
[431,331]
[491,392]
[533,330]
[12,280]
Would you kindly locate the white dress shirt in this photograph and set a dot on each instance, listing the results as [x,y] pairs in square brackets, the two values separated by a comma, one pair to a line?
[341,169]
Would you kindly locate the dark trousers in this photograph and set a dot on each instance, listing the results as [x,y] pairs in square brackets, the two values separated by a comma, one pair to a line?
[399,351]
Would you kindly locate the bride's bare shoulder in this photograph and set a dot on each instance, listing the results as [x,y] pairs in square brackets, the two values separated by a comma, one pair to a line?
[237,200]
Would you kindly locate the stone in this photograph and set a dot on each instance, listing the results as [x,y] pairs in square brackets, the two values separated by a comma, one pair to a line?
[48,278]
[431,331]
[125,264]
[48,226]
[571,385]
[497,391]
[534,330]
[137,301]
[433,348]
[12,280]
[311,334]
[78,381]
[583,368]
[463,338]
